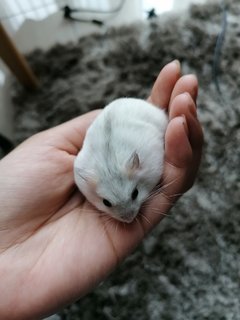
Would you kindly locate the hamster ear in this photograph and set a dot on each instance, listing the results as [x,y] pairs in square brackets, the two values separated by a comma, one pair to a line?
[133,163]
[87,177]
[82,174]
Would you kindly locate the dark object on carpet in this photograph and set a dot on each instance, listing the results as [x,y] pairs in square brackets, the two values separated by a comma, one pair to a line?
[5,145]
[188,268]
[67,13]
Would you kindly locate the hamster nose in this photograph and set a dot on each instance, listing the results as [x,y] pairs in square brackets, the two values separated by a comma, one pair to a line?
[127,220]
[128,217]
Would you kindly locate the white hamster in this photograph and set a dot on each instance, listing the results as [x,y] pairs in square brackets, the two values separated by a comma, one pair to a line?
[121,160]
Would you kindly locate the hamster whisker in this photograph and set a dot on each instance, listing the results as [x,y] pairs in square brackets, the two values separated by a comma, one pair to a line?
[170,182]
[165,185]
[156,191]
[145,218]
[176,195]
[166,202]
[136,219]
[161,184]
[154,194]
[171,198]
[163,203]
[116,226]
[107,223]
[160,189]
[156,211]
[164,178]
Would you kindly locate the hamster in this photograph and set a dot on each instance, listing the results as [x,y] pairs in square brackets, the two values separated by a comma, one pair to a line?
[121,160]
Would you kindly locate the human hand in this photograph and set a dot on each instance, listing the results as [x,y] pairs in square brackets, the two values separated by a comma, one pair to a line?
[54,245]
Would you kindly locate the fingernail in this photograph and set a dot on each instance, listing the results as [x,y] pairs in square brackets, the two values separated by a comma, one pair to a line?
[184,122]
[187,94]
[193,108]
[177,62]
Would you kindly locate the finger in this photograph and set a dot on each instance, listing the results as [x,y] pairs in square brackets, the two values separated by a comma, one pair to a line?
[163,86]
[196,140]
[178,157]
[187,83]
[182,104]
[178,150]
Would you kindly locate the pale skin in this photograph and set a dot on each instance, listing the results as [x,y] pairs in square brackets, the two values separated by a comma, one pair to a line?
[54,246]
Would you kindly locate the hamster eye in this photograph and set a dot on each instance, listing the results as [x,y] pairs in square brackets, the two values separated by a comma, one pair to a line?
[134,194]
[107,203]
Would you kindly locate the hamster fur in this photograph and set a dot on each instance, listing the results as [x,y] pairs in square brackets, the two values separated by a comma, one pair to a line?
[121,160]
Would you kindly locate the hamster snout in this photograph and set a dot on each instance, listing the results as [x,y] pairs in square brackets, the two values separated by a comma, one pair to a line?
[121,160]
[128,219]
[127,216]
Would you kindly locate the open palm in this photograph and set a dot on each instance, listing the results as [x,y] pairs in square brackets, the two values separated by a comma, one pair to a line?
[54,246]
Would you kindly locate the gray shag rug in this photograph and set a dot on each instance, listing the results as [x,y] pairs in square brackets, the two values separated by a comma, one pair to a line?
[189,266]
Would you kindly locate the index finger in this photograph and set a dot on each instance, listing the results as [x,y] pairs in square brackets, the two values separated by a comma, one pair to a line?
[163,86]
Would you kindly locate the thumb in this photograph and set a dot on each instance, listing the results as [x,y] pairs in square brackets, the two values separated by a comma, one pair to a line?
[178,151]
[178,157]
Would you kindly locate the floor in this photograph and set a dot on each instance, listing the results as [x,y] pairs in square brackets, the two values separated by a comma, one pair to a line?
[54,29]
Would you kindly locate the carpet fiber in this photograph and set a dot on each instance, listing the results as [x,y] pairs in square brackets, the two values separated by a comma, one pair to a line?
[189,266]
